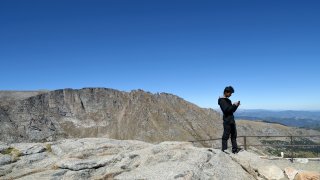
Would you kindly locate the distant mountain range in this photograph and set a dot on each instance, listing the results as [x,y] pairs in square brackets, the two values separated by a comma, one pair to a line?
[306,119]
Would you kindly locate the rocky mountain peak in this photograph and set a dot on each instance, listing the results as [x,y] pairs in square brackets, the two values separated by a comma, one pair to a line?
[104,112]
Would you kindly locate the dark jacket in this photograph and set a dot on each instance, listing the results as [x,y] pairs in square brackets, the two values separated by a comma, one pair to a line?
[228,109]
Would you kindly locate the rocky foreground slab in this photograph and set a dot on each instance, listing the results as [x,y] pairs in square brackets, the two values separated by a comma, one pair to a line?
[102,158]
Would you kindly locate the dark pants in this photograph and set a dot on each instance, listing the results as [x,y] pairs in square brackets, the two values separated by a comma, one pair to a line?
[229,128]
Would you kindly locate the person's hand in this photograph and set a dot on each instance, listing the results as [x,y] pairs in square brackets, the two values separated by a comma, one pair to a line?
[237,103]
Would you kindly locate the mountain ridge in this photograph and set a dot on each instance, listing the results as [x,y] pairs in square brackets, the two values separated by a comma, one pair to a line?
[110,113]
[304,119]
[53,112]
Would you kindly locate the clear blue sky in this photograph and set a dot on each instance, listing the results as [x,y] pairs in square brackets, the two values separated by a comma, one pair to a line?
[269,50]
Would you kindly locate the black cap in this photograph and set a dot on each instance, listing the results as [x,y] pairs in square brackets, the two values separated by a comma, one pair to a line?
[229,89]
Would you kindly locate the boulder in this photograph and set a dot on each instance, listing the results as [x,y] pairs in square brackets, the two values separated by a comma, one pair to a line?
[290,172]
[29,148]
[259,168]
[5,159]
[80,164]
[271,172]
[307,175]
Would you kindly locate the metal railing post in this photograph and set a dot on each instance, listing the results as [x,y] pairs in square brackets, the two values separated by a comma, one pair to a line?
[245,142]
[291,142]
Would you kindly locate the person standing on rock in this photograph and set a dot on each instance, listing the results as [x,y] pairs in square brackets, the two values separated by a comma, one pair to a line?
[229,125]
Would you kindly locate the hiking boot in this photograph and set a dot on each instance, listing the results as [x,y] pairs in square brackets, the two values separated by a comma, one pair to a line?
[237,150]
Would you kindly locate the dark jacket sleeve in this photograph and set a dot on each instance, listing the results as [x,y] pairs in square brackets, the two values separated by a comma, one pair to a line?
[226,107]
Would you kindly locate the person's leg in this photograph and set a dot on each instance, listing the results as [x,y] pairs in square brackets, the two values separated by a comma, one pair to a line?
[233,130]
[225,136]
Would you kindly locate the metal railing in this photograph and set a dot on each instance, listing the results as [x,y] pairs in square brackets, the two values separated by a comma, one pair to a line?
[245,145]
